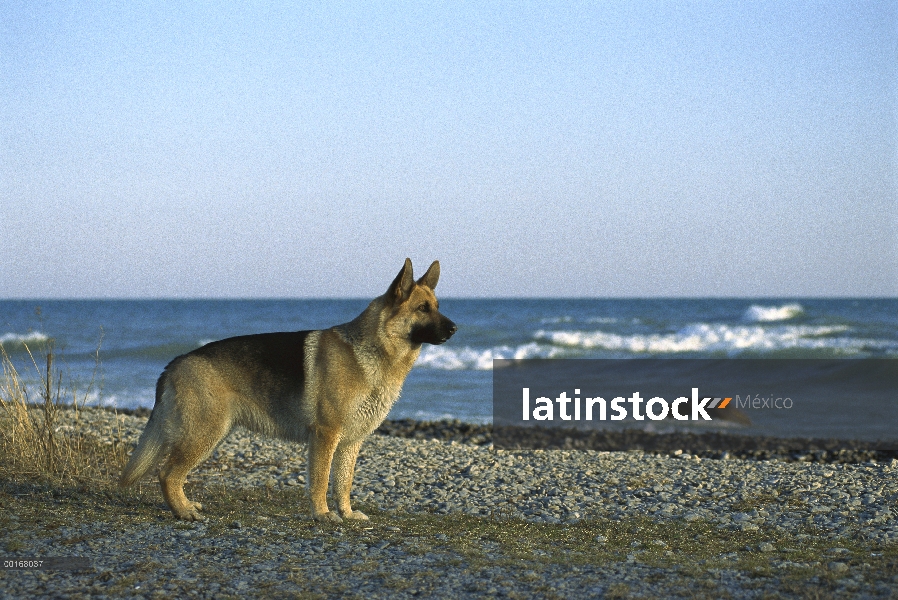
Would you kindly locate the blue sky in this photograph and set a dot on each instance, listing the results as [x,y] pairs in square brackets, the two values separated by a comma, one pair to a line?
[536,149]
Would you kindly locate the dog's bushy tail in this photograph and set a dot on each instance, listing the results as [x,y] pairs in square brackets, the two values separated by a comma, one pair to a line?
[152,441]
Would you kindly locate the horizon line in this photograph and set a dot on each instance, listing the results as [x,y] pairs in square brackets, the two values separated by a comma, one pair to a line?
[368,298]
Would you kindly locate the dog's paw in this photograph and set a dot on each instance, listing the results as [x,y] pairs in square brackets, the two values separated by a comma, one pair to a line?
[191,514]
[355,515]
[329,516]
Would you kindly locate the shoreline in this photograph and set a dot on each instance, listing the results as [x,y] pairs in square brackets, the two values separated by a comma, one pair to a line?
[705,444]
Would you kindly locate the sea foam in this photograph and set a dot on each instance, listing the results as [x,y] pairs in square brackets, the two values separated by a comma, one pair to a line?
[764,314]
[23,338]
[707,337]
[453,359]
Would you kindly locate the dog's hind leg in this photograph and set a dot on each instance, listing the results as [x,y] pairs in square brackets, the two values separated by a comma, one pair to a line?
[344,469]
[322,444]
[187,453]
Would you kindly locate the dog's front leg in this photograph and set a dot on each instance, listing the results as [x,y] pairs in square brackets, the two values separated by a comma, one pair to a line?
[344,469]
[322,444]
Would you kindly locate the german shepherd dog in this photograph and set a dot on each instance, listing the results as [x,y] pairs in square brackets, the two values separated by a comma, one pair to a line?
[328,388]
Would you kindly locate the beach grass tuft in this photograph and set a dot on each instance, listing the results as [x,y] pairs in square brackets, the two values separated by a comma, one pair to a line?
[32,438]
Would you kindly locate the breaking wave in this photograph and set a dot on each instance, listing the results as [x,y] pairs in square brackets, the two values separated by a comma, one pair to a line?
[453,359]
[703,337]
[765,314]
[23,338]
[570,319]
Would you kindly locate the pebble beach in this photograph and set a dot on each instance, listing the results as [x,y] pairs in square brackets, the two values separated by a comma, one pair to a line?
[840,503]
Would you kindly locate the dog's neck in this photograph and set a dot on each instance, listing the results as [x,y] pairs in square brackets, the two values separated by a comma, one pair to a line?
[368,333]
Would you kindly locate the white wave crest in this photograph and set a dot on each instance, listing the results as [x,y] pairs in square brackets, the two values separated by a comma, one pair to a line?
[131,399]
[570,319]
[556,320]
[764,314]
[23,338]
[704,337]
[453,359]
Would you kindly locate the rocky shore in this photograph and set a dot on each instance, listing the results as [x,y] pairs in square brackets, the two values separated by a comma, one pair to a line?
[705,445]
[831,519]
[450,466]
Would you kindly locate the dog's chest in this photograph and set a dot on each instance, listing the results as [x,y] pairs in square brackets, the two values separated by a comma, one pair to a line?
[374,408]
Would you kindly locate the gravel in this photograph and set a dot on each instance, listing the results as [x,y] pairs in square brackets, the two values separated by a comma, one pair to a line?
[402,475]
[707,444]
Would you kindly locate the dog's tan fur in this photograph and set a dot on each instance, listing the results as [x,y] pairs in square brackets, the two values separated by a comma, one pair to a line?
[328,388]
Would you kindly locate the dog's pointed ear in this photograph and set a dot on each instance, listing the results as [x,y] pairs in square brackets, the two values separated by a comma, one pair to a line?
[402,286]
[430,278]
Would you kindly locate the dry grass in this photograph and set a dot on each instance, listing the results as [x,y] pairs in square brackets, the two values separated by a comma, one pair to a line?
[32,440]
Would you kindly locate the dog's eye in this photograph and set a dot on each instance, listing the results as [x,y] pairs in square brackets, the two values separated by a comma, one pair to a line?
[424,308]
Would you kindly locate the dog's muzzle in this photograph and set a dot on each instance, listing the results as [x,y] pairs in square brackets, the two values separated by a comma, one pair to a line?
[451,328]
[434,333]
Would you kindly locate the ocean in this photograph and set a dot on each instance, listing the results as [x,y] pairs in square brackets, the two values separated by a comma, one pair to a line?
[123,345]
